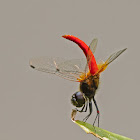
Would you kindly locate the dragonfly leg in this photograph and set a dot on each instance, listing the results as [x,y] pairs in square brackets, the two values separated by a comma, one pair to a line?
[90,111]
[98,113]
[84,107]
[81,109]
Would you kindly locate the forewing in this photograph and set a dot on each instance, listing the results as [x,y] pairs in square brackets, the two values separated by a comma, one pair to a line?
[103,65]
[67,69]
[93,45]
[114,56]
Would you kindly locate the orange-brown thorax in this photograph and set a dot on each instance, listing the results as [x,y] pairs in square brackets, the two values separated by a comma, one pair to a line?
[89,85]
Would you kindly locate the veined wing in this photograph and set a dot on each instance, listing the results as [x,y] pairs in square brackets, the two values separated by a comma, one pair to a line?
[112,57]
[92,47]
[67,69]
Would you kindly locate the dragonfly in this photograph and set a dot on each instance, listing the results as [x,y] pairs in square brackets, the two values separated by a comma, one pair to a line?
[86,71]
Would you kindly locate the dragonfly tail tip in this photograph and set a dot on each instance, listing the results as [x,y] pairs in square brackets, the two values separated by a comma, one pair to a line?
[64,36]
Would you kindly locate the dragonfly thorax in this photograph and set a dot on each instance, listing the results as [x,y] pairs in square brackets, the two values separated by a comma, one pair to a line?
[89,85]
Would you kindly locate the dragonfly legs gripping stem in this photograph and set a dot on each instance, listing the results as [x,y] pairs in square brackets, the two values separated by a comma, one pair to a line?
[90,111]
[98,113]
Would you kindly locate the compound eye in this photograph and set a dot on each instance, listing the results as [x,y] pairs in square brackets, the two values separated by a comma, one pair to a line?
[78,99]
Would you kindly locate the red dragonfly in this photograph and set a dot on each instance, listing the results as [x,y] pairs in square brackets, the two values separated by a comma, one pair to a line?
[88,73]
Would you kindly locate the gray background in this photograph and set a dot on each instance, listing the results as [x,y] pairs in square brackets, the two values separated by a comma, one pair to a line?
[35,105]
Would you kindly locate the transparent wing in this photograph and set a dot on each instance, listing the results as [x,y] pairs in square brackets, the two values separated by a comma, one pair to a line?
[67,69]
[93,45]
[114,56]
[103,65]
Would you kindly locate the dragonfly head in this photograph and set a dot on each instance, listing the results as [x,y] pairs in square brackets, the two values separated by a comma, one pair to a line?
[78,99]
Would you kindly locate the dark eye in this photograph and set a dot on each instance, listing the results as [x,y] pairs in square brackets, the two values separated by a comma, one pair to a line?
[78,99]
